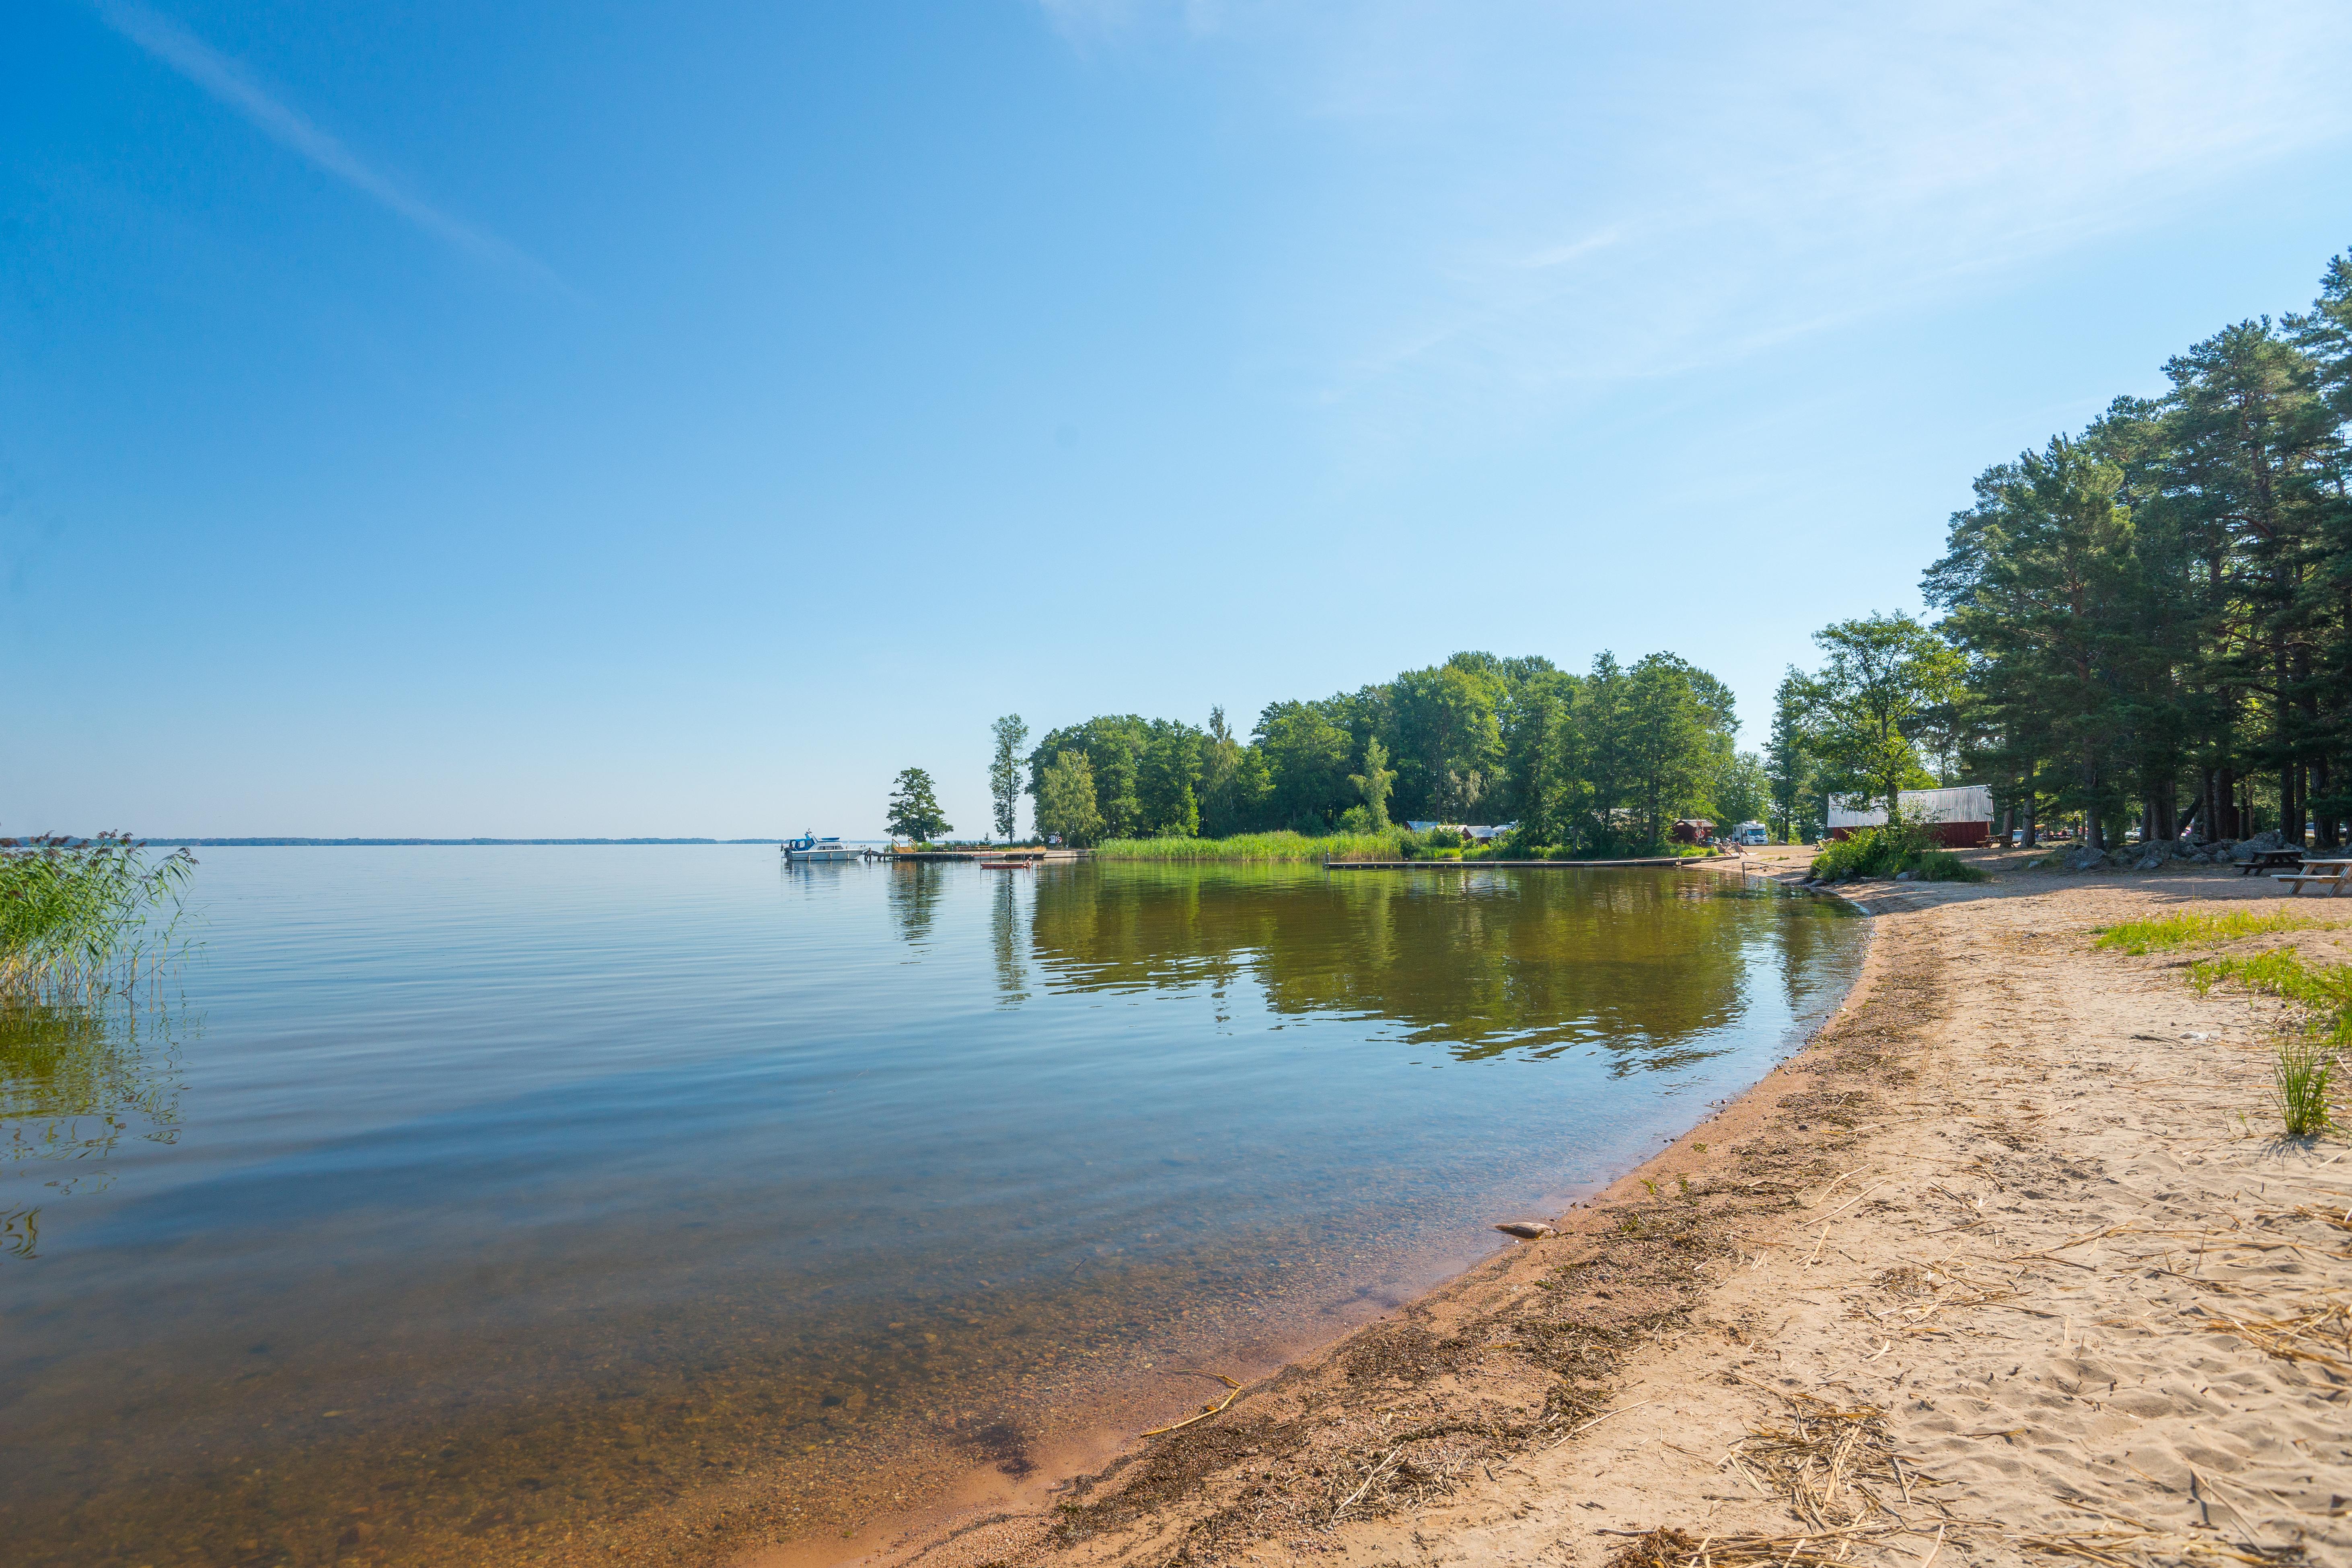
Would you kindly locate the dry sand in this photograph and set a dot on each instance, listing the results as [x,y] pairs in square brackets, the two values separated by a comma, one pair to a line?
[2006,1265]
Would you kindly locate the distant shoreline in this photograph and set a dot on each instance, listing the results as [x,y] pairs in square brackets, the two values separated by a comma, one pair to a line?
[363,843]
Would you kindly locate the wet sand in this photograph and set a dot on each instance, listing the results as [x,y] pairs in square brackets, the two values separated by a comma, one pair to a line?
[2006,1265]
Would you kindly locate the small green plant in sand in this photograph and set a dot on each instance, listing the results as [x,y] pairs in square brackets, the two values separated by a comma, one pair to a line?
[2188,929]
[2306,1065]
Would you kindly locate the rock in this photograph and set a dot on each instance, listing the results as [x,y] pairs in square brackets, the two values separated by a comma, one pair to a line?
[1902,876]
[1526,1229]
[2084,858]
[2269,839]
[2155,860]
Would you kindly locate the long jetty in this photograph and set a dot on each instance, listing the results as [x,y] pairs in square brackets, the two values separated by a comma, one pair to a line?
[902,857]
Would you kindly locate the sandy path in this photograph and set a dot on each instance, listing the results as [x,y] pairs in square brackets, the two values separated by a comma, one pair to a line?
[1981,1275]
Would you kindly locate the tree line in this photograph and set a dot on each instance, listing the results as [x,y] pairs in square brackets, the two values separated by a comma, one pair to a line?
[2149,620]
[1604,761]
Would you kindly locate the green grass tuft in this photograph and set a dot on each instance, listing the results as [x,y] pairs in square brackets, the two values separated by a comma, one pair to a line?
[2189,929]
[2306,1067]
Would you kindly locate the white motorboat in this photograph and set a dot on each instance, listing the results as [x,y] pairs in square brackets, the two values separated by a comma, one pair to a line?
[809,846]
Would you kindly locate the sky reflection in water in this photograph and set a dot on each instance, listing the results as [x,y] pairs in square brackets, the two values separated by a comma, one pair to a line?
[472,1196]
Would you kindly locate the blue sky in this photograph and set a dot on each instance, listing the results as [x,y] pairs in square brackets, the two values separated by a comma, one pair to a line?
[594,419]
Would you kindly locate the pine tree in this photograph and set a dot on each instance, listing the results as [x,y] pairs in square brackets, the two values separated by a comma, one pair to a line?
[915,808]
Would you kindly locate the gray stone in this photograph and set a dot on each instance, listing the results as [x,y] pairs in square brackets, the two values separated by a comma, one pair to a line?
[2083,857]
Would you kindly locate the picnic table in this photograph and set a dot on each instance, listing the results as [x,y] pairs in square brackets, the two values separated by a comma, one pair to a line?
[2328,873]
[2266,861]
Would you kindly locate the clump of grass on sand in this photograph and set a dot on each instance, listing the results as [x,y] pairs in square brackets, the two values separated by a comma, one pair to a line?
[2302,1079]
[2185,929]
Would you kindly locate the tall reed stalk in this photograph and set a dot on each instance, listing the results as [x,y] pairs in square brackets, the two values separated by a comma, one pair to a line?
[80,917]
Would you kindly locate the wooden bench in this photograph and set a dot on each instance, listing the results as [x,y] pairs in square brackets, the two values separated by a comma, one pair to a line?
[2328,874]
[2266,861]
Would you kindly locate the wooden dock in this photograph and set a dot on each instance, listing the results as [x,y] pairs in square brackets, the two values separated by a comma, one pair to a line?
[939,857]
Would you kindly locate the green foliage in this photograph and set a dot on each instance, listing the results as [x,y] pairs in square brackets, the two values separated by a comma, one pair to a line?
[1740,791]
[1165,790]
[2152,612]
[914,811]
[2189,929]
[1603,763]
[1373,784]
[79,917]
[1066,801]
[1943,866]
[1792,773]
[1004,772]
[1889,851]
[1862,710]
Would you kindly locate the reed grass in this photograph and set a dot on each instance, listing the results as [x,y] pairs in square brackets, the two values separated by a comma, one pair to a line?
[2302,1079]
[2190,930]
[1283,846]
[80,917]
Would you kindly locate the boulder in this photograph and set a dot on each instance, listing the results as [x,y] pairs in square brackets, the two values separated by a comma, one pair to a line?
[2083,857]
[1526,1229]
[2155,860]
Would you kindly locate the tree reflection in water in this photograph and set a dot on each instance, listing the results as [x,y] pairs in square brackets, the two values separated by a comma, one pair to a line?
[1641,964]
[75,1081]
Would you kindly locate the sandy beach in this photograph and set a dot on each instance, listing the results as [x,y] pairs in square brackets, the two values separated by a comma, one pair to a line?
[2008,1264]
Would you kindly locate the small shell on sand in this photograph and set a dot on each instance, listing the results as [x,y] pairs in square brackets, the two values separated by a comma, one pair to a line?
[1526,1229]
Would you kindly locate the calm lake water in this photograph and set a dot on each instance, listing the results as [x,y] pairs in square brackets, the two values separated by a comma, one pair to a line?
[480,1205]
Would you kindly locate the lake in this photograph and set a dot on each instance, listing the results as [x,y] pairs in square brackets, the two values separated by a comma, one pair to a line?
[473,1205]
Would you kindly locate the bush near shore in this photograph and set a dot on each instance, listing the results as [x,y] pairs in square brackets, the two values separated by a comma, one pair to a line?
[1890,851]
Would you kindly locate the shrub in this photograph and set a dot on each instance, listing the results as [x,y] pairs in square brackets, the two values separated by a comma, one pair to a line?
[1943,866]
[1872,852]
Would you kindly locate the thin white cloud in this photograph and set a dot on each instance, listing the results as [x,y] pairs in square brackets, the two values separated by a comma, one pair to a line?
[190,56]
[1521,197]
